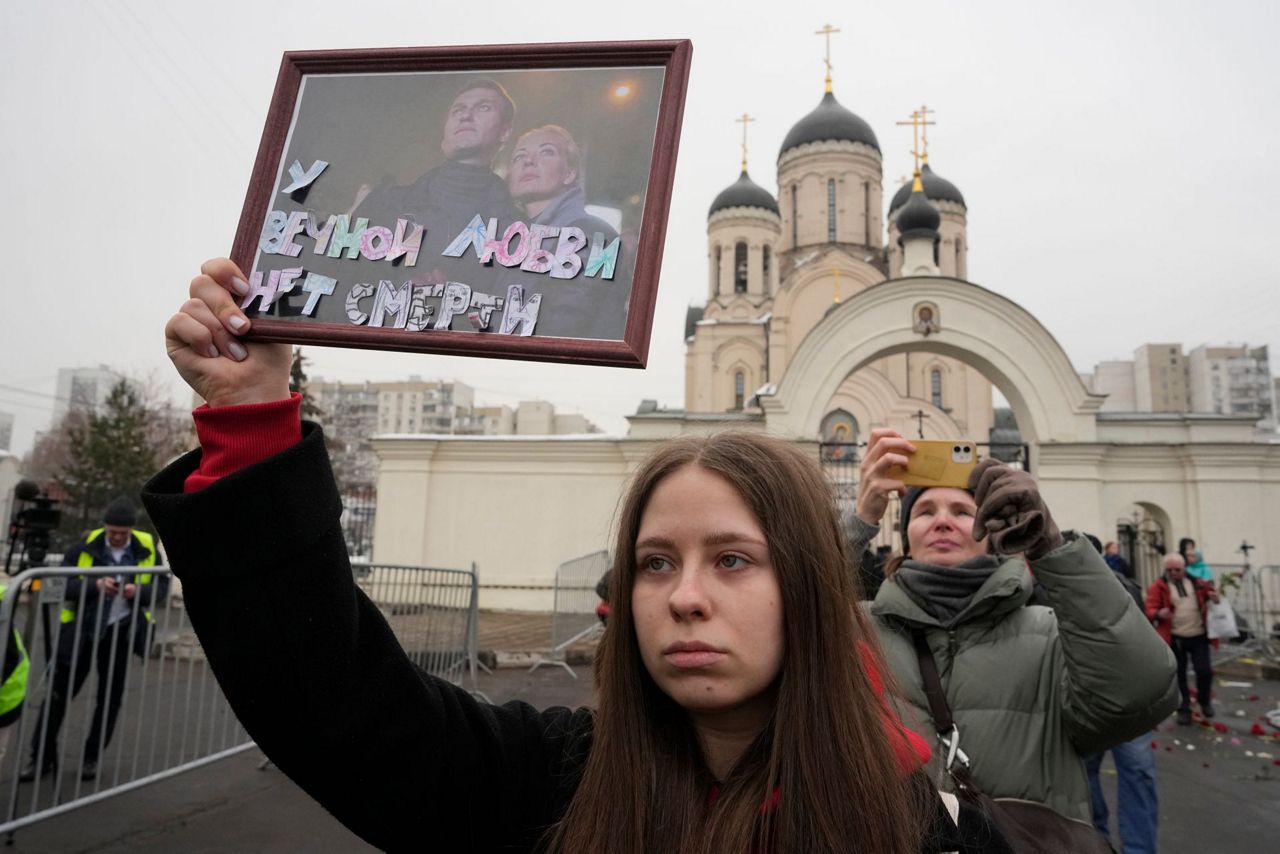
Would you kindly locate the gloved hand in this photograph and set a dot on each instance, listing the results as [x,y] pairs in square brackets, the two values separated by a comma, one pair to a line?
[1011,511]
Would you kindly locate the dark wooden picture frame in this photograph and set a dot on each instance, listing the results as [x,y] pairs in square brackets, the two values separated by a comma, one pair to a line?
[663,70]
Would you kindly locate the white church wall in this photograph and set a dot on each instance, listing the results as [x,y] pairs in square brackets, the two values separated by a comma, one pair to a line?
[518,508]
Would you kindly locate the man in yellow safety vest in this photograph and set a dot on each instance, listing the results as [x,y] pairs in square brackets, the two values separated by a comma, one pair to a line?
[103,617]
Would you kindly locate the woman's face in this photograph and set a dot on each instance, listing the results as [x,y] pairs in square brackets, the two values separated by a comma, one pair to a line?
[940,530]
[707,607]
[539,168]
[1189,552]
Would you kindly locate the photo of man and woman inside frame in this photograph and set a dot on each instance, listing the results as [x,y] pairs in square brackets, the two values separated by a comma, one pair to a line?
[506,202]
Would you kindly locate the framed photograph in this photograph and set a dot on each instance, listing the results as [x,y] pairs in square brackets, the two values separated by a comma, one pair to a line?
[505,201]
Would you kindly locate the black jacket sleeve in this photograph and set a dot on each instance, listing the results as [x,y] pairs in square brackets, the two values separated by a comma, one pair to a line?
[319,681]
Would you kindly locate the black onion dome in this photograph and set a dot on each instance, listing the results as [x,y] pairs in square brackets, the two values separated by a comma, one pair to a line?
[744,193]
[936,189]
[918,216]
[829,120]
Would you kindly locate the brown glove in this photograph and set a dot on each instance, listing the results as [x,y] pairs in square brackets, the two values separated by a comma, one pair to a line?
[1011,511]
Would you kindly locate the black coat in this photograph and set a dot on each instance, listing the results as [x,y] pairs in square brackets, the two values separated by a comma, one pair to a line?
[405,760]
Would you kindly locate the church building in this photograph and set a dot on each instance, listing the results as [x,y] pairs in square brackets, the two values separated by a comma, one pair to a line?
[828,314]
[778,266]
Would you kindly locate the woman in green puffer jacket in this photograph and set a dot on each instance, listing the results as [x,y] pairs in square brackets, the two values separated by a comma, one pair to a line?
[1032,689]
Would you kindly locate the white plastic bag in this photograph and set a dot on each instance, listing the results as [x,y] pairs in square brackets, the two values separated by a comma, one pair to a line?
[1221,621]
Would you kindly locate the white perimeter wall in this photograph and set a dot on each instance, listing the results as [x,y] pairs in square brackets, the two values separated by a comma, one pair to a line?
[519,507]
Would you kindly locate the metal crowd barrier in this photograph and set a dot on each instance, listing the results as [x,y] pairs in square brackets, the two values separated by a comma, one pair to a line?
[172,715]
[574,618]
[1254,594]
[433,613]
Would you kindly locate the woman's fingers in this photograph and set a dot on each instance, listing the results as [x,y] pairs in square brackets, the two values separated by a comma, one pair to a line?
[185,332]
[225,272]
[227,345]
[220,303]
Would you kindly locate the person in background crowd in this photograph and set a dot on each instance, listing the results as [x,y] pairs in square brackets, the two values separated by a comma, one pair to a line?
[1179,605]
[741,707]
[1032,689]
[1137,800]
[1111,554]
[1196,567]
[13,684]
[602,591]
[102,620]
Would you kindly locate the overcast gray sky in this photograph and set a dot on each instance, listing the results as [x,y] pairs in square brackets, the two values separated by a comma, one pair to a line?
[1115,157]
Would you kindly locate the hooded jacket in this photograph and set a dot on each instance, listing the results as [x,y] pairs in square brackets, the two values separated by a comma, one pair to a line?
[1033,689]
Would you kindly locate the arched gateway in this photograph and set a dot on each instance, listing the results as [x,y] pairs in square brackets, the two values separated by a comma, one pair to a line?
[977,326]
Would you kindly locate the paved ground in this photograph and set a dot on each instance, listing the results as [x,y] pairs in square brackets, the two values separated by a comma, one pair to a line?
[1220,782]
[233,806]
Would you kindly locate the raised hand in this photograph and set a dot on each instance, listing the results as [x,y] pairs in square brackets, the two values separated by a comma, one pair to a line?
[885,450]
[1011,511]
[203,342]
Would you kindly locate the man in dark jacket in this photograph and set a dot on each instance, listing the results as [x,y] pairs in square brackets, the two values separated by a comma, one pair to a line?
[101,620]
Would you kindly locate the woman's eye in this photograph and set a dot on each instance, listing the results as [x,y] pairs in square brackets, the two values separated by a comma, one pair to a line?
[732,562]
[655,564]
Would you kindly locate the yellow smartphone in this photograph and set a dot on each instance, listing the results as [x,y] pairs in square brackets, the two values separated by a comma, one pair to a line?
[939,462]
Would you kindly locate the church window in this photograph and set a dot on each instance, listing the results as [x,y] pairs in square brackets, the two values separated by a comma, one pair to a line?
[715,285]
[866,213]
[765,262]
[831,210]
[795,193]
[935,387]
[739,389]
[740,268]
[959,255]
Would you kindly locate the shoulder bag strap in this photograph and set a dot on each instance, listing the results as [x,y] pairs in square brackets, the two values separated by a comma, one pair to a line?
[940,711]
[938,708]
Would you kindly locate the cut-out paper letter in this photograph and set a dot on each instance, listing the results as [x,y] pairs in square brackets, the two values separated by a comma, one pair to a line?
[303,179]
[483,306]
[474,235]
[603,258]
[314,287]
[566,263]
[344,239]
[391,300]
[539,260]
[357,293]
[405,247]
[494,247]
[321,234]
[456,299]
[265,294]
[296,225]
[519,313]
[375,242]
[273,232]
[419,312]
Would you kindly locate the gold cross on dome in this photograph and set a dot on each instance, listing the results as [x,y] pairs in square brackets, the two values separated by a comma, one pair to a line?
[919,122]
[744,120]
[826,31]
[924,131]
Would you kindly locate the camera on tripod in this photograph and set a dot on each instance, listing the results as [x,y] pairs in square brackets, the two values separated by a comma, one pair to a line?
[35,514]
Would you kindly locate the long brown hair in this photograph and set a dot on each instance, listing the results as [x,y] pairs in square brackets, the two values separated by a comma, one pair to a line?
[646,787]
